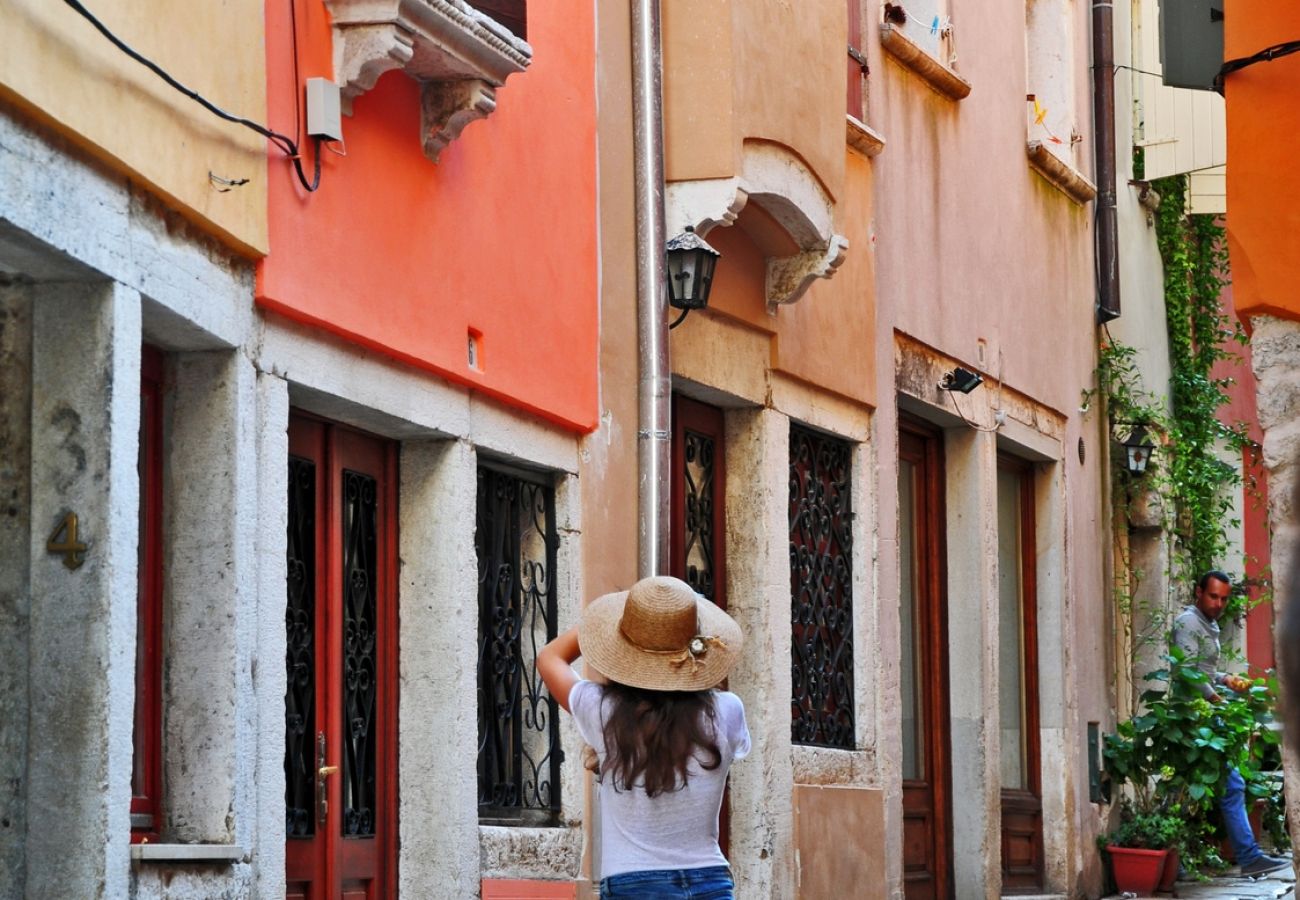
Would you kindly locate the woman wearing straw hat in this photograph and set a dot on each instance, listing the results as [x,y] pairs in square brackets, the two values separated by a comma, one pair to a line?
[664,736]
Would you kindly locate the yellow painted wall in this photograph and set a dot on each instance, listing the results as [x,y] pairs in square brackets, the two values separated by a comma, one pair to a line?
[741,69]
[55,67]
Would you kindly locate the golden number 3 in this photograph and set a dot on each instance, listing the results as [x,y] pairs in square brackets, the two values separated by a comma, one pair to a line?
[63,539]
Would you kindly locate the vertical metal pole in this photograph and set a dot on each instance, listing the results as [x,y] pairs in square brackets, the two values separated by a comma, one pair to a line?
[654,385]
[1103,124]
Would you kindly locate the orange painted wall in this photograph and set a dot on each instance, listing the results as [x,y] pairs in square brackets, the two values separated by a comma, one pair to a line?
[1263,179]
[407,257]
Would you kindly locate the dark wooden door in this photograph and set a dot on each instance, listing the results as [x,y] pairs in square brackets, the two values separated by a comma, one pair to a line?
[923,670]
[697,540]
[1022,805]
[341,702]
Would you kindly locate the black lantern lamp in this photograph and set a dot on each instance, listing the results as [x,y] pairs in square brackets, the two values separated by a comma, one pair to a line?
[690,272]
[1138,450]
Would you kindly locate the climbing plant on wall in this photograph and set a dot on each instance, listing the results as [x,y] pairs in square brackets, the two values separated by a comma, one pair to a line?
[1189,477]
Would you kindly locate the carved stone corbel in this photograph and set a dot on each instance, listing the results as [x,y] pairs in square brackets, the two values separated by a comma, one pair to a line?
[458,54]
[447,107]
[369,52]
[789,277]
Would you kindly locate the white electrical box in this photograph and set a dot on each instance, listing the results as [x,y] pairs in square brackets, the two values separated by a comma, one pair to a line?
[324,119]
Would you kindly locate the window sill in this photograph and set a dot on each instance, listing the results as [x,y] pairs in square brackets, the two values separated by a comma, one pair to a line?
[206,853]
[936,74]
[1063,176]
[863,138]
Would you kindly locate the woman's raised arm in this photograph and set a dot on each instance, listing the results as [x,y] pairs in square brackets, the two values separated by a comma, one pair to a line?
[555,665]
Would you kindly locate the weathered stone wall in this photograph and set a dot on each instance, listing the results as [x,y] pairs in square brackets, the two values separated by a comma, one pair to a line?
[1275,350]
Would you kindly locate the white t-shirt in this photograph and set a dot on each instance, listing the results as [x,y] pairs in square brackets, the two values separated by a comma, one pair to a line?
[674,830]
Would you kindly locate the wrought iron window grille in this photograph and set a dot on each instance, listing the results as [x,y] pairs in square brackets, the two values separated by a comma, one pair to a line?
[519,752]
[821,590]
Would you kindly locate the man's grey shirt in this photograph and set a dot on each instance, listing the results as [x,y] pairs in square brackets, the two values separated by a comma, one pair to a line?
[1198,637]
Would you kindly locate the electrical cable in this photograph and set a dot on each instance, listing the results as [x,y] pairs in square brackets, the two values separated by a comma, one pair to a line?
[285,143]
[1268,54]
[961,415]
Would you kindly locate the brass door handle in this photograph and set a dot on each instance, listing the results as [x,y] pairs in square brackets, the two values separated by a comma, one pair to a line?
[326,770]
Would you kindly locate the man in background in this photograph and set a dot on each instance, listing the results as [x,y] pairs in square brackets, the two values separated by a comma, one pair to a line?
[1196,633]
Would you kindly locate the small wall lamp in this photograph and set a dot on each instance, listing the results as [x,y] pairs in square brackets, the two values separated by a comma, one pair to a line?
[691,262]
[1138,450]
[961,380]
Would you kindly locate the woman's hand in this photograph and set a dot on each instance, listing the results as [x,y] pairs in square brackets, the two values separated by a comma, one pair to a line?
[555,665]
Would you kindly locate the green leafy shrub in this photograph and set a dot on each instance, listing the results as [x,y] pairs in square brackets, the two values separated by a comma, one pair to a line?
[1174,757]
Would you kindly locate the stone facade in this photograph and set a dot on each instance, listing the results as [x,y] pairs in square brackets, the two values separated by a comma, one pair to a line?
[83,289]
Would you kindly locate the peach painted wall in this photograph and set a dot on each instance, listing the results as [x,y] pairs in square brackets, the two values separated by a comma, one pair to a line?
[408,257]
[56,67]
[770,71]
[971,245]
[1263,180]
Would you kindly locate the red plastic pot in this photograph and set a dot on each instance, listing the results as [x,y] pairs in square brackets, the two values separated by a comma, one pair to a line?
[1171,872]
[1137,870]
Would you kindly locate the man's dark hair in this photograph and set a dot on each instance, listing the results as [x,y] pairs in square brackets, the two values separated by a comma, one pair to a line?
[1215,575]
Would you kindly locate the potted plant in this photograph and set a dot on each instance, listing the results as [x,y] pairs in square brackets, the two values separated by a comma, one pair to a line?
[1143,850]
[1172,760]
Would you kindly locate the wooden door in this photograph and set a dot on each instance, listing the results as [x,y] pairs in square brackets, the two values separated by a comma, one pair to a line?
[341,702]
[697,552]
[923,670]
[1022,805]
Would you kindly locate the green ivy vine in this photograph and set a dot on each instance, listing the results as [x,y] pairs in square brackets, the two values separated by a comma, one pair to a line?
[1187,474]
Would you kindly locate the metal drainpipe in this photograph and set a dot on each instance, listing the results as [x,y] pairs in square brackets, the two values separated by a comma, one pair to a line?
[1103,120]
[654,384]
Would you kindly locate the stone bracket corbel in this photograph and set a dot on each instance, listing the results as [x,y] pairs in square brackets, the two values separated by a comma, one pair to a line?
[447,107]
[789,277]
[459,55]
[366,53]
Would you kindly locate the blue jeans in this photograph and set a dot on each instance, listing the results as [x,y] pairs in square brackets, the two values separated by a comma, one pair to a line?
[1236,822]
[712,883]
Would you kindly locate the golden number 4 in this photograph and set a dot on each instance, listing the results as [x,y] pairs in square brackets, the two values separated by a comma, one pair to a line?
[63,539]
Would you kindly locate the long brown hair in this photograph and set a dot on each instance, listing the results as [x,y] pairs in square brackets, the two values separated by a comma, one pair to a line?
[653,736]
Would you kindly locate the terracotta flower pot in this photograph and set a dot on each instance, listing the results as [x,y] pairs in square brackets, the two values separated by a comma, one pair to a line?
[1137,870]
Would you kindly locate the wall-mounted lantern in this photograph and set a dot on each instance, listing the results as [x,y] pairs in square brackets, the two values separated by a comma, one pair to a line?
[691,262]
[1137,450]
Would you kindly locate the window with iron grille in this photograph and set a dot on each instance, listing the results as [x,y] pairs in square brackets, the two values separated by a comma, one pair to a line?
[821,590]
[518,727]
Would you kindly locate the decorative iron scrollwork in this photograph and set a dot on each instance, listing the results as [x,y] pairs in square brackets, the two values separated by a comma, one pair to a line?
[300,652]
[360,652]
[519,754]
[698,492]
[821,589]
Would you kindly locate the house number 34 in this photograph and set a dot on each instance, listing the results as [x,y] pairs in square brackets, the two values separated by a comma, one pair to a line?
[63,540]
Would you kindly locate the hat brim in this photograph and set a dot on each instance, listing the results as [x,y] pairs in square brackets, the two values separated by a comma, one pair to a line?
[614,656]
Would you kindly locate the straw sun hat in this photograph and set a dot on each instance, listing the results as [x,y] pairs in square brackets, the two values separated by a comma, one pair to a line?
[660,636]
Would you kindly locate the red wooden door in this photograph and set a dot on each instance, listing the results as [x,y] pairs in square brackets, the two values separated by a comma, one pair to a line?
[697,545]
[923,671]
[341,702]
